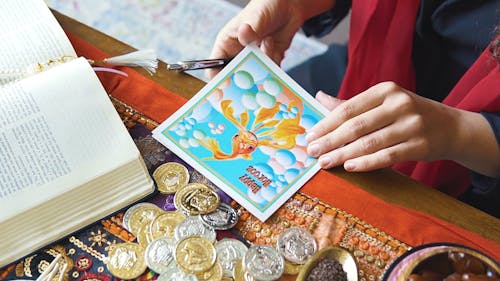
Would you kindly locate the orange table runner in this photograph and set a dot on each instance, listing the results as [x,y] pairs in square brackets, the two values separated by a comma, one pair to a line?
[408,226]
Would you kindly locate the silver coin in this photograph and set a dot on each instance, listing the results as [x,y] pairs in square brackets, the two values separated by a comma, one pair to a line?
[296,245]
[229,252]
[223,218]
[175,274]
[159,254]
[193,226]
[130,211]
[264,262]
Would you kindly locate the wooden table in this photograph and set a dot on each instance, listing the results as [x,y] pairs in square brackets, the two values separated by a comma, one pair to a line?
[385,184]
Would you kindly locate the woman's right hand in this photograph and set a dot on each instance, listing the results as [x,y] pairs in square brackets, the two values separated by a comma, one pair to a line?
[271,24]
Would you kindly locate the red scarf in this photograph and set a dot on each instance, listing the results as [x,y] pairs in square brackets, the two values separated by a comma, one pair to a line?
[380,48]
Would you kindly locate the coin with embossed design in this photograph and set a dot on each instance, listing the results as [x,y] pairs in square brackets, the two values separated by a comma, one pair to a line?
[229,252]
[213,274]
[164,224]
[126,260]
[223,218]
[296,245]
[264,262]
[132,210]
[159,254]
[240,273]
[193,226]
[144,235]
[176,274]
[196,198]
[170,177]
[195,254]
[143,214]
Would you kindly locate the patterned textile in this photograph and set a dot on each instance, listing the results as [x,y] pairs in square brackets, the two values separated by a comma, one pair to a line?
[85,251]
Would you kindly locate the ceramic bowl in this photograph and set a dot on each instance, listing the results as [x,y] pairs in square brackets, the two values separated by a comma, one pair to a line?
[341,255]
[432,255]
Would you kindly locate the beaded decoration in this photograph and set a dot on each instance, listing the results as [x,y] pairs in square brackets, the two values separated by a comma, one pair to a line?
[85,251]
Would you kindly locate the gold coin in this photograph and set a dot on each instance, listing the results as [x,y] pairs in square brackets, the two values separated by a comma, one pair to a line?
[195,254]
[213,274]
[164,224]
[292,268]
[197,199]
[144,214]
[126,260]
[170,177]
[240,273]
[144,235]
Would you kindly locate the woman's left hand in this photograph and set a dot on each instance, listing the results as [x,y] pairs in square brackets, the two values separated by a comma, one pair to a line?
[385,125]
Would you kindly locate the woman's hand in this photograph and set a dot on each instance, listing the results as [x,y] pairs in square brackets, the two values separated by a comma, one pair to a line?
[387,124]
[270,23]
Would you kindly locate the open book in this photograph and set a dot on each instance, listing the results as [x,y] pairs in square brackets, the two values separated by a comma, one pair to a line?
[245,131]
[66,159]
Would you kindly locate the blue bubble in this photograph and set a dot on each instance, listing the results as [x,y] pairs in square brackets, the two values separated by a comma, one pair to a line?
[285,157]
[291,174]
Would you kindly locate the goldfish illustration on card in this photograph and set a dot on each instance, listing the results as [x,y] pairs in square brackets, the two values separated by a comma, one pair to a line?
[245,131]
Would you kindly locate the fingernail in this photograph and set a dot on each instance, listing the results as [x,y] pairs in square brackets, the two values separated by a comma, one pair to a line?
[313,149]
[310,136]
[350,166]
[324,161]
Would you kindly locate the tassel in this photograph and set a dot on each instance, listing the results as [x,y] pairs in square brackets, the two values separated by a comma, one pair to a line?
[144,58]
[106,69]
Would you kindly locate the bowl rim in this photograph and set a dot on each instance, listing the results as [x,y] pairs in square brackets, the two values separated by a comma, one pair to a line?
[413,250]
[324,251]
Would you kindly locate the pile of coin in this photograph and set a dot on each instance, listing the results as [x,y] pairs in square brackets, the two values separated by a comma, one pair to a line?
[182,244]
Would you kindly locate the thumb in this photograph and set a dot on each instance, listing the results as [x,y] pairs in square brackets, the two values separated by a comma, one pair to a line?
[328,101]
[247,35]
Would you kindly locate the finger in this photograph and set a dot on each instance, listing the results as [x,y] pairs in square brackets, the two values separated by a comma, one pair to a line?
[368,144]
[247,35]
[352,130]
[345,111]
[328,101]
[387,157]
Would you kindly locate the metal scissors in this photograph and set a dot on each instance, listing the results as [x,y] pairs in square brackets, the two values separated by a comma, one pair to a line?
[198,64]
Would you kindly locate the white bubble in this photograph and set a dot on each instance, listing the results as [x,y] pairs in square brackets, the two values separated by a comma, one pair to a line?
[188,127]
[294,110]
[221,127]
[199,134]
[191,121]
[272,87]
[193,142]
[180,132]
[283,107]
[249,101]
[213,131]
[211,125]
[265,100]
[243,80]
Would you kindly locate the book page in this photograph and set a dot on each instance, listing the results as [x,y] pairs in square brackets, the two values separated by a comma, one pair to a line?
[245,131]
[58,130]
[29,34]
